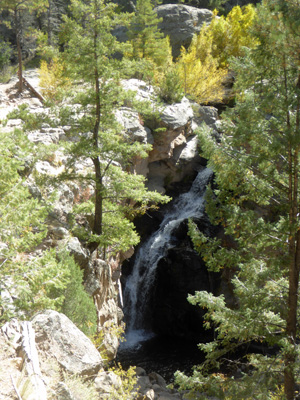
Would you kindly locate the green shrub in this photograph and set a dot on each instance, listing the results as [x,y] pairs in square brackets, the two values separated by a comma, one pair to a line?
[5,54]
[78,305]
[170,89]
[31,121]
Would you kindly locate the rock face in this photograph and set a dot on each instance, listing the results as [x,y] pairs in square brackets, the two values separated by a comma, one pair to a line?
[180,273]
[180,23]
[175,153]
[64,342]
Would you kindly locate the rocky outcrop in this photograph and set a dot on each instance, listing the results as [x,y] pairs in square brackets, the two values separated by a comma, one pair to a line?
[102,282]
[61,340]
[175,153]
[181,23]
[45,358]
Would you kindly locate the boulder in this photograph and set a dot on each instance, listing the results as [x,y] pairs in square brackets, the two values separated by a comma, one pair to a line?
[143,92]
[205,114]
[63,392]
[46,136]
[189,153]
[180,23]
[14,123]
[63,341]
[135,131]
[80,254]
[45,168]
[106,382]
[176,119]
[176,116]
[133,127]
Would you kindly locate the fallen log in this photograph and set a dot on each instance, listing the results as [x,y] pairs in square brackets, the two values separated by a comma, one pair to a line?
[33,90]
[31,362]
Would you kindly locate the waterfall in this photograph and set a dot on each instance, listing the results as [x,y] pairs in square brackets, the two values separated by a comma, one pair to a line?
[140,282]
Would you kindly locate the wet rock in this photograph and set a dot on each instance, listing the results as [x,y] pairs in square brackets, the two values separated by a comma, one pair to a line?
[144,383]
[158,379]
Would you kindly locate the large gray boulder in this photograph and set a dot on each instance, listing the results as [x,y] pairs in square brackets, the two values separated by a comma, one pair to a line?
[63,341]
[177,115]
[180,23]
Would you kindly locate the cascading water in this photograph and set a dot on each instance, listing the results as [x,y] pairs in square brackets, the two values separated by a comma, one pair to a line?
[140,282]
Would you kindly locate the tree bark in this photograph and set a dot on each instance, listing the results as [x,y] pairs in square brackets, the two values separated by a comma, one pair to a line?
[98,217]
[294,268]
[18,38]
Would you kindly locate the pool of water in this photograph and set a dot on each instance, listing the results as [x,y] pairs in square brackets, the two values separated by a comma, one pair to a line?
[160,354]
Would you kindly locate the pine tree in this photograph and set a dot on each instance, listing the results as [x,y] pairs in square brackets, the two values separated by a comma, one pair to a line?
[118,194]
[148,43]
[22,228]
[256,203]
[31,280]
[17,8]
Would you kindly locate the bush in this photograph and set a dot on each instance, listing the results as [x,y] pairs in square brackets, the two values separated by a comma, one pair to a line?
[78,305]
[225,37]
[203,67]
[202,79]
[170,89]
[5,54]
[53,80]
[31,121]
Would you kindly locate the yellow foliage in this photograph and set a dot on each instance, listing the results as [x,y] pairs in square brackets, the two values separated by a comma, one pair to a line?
[226,36]
[201,79]
[52,79]
[128,389]
[279,394]
[203,67]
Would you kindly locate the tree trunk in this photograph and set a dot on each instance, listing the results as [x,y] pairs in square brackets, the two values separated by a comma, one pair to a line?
[291,326]
[98,198]
[294,268]
[49,29]
[18,38]
[98,217]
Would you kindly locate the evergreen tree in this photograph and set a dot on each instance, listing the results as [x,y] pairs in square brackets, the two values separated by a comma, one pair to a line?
[148,43]
[32,280]
[22,225]
[17,8]
[118,194]
[256,202]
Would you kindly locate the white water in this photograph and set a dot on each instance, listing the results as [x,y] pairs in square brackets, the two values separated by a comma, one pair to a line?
[140,282]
